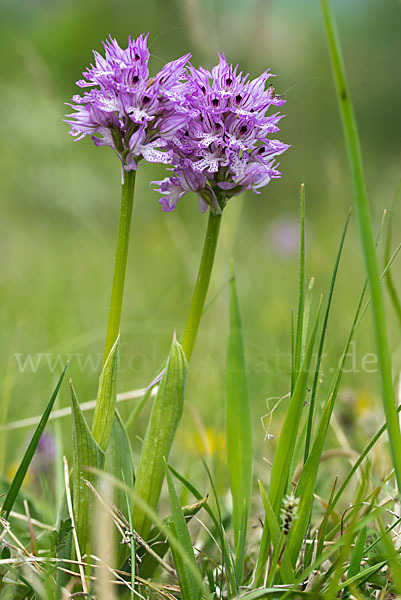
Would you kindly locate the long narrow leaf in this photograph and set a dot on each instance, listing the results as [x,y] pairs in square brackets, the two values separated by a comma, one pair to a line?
[366,236]
[147,563]
[301,298]
[285,449]
[30,451]
[392,292]
[119,460]
[226,560]
[306,485]
[106,399]
[164,419]
[288,434]
[190,588]
[238,428]
[322,339]
[87,455]
[275,532]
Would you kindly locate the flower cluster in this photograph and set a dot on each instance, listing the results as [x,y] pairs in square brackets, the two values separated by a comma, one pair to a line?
[126,109]
[211,125]
[223,148]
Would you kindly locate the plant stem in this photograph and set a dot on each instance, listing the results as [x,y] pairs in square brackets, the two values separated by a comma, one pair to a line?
[120,264]
[366,236]
[202,284]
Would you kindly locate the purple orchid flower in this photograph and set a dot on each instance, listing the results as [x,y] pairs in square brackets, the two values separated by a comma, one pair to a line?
[223,145]
[126,109]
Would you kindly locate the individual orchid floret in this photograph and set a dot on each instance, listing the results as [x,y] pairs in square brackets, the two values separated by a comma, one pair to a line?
[223,148]
[122,107]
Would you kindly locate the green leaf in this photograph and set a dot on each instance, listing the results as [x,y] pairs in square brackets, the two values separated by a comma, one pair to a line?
[275,534]
[120,464]
[227,562]
[148,563]
[363,218]
[357,553]
[289,430]
[285,449]
[306,485]
[191,588]
[61,536]
[322,339]
[301,297]
[153,517]
[238,428]
[106,399]
[164,419]
[392,292]
[119,461]
[30,451]
[87,454]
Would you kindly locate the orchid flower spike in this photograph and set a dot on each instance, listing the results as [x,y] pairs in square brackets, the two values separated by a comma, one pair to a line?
[223,147]
[125,108]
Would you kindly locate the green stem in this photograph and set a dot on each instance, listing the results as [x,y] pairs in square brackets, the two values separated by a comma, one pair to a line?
[120,265]
[366,236]
[202,284]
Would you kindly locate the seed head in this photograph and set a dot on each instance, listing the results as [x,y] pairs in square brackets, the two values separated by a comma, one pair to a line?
[289,512]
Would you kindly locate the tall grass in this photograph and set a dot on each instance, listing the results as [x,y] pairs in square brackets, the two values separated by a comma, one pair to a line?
[363,218]
[197,538]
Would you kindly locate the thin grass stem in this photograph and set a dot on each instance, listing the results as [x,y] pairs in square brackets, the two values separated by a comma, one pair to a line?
[363,218]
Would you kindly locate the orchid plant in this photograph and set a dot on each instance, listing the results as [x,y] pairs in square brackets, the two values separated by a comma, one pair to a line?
[212,127]
[215,131]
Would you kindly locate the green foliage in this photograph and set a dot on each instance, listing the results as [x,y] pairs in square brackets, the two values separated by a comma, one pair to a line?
[163,422]
[284,452]
[191,586]
[238,428]
[30,451]
[106,399]
[147,562]
[362,212]
[392,291]
[343,541]
[119,460]
[87,455]
[61,536]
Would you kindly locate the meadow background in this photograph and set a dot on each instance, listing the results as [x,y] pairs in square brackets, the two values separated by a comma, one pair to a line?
[59,205]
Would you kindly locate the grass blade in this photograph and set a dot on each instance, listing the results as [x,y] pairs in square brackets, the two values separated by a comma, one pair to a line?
[357,553]
[227,561]
[148,563]
[238,428]
[288,435]
[322,339]
[306,485]
[285,449]
[30,451]
[190,588]
[275,534]
[360,312]
[392,292]
[366,236]
[301,297]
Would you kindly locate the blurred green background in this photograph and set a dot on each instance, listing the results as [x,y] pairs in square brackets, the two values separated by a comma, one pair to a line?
[60,202]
